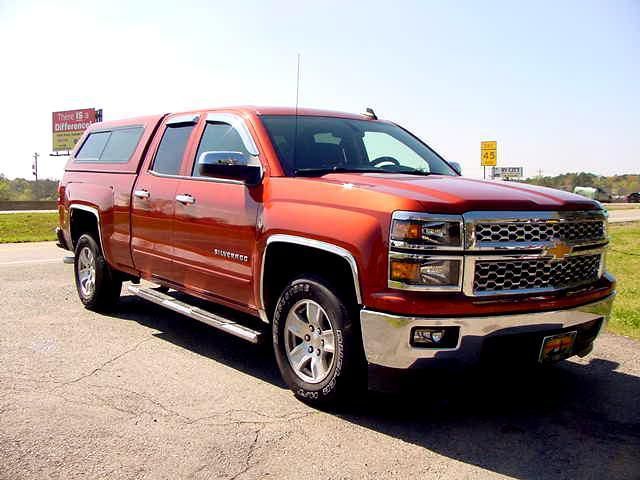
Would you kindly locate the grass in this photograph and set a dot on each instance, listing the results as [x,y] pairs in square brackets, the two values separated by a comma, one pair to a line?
[623,260]
[27,227]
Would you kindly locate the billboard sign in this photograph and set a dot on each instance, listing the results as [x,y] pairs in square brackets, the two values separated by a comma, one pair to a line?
[508,173]
[68,126]
[489,154]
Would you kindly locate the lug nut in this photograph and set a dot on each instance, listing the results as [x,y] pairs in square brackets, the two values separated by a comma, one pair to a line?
[311,328]
[310,349]
[307,338]
[318,352]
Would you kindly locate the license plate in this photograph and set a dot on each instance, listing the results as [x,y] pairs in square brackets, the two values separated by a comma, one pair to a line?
[557,347]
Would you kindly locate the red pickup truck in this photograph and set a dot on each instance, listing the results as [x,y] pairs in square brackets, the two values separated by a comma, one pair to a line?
[343,238]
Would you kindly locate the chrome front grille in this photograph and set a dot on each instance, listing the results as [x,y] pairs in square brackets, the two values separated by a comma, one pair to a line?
[517,276]
[516,252]
[540,231]
[531,252]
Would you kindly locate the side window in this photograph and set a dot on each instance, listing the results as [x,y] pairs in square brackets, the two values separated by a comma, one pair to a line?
[171,149]
[219,137]
[121,145]
[92,147]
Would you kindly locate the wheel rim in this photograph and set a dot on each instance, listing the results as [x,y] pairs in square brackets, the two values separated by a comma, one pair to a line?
[309,341]
[86,272]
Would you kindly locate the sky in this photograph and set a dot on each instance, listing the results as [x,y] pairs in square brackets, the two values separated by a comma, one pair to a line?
[555,83]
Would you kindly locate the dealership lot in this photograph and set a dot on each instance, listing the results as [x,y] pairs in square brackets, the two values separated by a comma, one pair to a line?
[146,393]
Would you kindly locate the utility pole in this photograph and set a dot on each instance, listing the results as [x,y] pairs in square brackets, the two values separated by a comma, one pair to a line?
[34,166]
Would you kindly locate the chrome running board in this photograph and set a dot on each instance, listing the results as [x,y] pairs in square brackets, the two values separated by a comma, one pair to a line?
[196,313]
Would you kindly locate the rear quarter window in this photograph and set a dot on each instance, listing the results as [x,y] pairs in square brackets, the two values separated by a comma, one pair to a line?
[92,147]
[114,146]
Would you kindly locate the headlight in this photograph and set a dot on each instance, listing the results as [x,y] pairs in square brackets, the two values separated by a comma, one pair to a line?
[431,269]
[426,232]
[421,272]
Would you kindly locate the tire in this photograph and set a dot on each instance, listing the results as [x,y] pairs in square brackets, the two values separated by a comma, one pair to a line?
[97,284]
[328,358]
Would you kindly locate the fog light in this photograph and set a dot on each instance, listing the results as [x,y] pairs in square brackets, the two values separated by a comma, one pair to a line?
[435,337]
[427,335]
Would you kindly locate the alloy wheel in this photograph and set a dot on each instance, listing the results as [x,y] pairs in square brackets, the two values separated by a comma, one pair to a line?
[309,341]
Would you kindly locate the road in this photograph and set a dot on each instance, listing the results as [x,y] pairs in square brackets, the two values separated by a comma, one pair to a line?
[146,393]
[619,216]
[2,212]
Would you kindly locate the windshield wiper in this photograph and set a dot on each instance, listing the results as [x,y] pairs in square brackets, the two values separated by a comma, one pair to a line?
[318,171]
[310,172]
[411,171]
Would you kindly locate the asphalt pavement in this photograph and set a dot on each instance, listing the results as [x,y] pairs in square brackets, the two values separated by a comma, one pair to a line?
[146,393]
[620,216]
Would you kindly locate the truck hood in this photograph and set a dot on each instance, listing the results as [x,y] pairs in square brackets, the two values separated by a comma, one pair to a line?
[440,193]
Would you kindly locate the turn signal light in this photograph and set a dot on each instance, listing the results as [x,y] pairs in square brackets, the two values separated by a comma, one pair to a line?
[406,230]
[405,271]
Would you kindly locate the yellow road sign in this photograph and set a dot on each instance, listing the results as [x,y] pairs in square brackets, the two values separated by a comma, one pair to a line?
[489,153]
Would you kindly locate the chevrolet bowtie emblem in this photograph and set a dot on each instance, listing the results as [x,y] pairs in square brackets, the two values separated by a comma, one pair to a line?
[559,250]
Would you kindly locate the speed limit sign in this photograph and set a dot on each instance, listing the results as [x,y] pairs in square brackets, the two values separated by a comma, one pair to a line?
[489,153]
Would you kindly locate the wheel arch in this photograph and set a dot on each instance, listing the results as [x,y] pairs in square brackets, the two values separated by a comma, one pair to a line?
[317,248]
[83,219]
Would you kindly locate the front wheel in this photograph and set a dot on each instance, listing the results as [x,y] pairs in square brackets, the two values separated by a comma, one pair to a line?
[98,287]
[315,342]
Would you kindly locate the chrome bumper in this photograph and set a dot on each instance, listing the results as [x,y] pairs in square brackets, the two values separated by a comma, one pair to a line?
[386,337]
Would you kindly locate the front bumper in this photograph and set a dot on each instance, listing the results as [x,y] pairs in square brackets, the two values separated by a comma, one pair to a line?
[386,337]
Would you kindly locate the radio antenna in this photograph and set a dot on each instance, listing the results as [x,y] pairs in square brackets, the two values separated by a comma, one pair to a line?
[295,130]
[297,84]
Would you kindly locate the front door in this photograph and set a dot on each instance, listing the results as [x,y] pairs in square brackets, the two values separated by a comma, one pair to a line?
[154,200]
[215,224]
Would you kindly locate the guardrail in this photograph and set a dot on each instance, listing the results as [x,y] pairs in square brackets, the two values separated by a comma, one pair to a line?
[28,205]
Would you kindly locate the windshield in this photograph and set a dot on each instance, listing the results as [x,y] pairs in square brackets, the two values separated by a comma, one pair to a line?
[326,144]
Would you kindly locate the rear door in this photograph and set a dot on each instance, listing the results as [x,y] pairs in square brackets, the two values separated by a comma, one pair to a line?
[154,198]
[215,229]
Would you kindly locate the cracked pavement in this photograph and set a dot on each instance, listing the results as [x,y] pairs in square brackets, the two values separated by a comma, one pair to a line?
[147,393]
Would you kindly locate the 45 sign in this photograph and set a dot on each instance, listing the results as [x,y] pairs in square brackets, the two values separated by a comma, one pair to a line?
[489,153]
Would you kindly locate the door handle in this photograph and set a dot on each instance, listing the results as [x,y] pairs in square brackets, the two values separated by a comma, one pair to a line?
[141,194]
[185,199]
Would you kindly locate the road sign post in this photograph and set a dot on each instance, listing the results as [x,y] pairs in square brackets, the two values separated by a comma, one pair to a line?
[488,155]
[34,165]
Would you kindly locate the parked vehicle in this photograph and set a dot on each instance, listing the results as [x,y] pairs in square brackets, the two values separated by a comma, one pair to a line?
[594,193]
[343,239]
[633,197]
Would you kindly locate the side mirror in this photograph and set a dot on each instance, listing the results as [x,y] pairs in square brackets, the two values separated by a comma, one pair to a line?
[230,166]
[456,166]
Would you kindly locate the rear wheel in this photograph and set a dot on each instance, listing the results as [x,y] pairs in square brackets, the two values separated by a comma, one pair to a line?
[97,284]
[315,342]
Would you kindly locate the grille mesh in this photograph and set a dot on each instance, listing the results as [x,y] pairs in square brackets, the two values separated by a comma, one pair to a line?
[501,276]
[540,231]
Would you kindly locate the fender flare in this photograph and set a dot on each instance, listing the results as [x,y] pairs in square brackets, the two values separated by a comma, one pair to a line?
[312,243]
[92,210]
